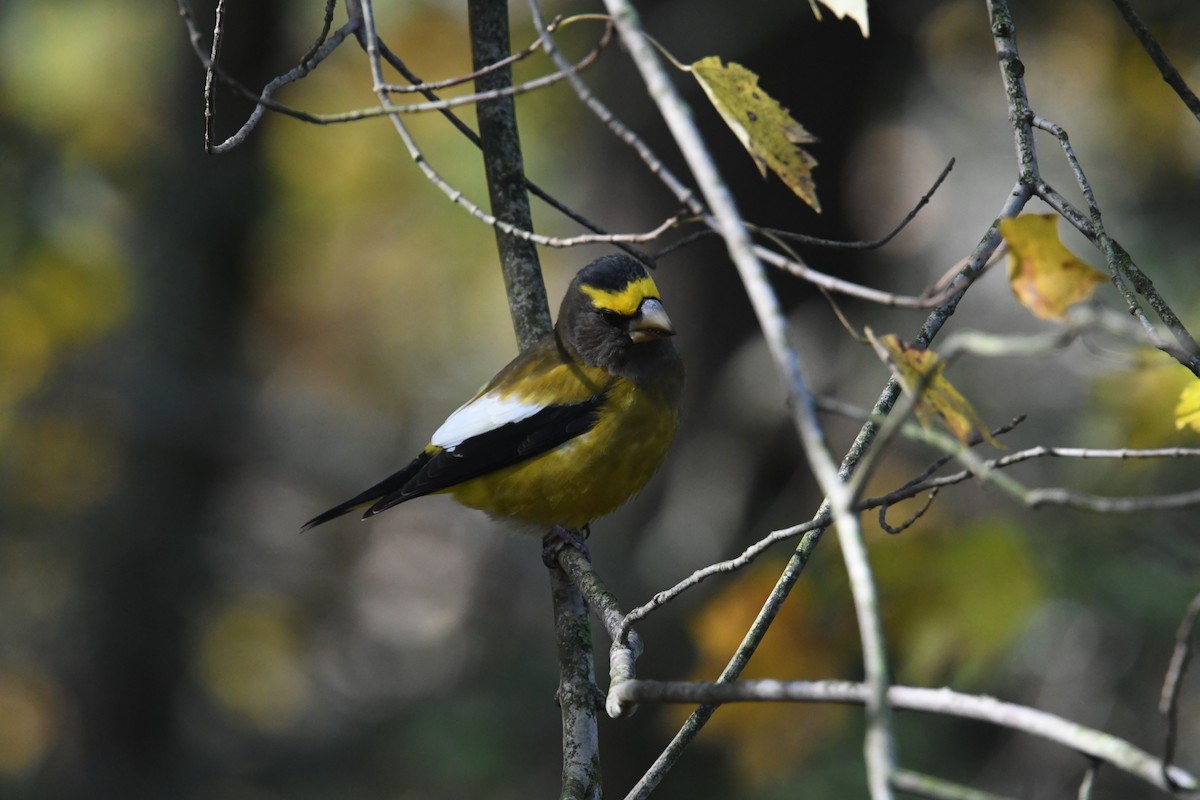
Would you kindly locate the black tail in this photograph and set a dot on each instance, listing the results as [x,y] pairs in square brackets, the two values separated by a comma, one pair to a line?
[390,484]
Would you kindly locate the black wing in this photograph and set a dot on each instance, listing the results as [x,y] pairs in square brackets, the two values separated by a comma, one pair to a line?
[490,451]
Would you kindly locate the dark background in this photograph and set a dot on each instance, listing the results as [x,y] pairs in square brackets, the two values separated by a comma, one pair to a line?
[198,353]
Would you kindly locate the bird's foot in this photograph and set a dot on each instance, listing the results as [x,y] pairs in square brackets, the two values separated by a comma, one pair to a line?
[561,537]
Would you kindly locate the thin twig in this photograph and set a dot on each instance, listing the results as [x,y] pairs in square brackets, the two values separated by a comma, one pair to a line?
[326,26]
[1126,275]
[910,520]
[1168,704]
[921,785]
[214,56]
[1056,496]
[873,244]
[721,567]
[840,286]
[264,102]
[398,64]
[501,63]
[683,195]
[1155,51]
[1089,780]
[371,43]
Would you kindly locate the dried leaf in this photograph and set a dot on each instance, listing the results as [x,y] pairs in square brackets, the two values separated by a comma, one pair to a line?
[854,9]
[1187,412]
[764,127]
[919,371]
[1045,276]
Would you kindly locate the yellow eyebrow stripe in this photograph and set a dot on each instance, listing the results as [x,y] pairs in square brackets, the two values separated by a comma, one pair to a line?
[624,301]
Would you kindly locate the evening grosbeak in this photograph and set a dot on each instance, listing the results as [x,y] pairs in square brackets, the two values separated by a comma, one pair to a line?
[572,428]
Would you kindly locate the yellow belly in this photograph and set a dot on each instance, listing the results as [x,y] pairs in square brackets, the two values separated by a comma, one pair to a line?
[587,477]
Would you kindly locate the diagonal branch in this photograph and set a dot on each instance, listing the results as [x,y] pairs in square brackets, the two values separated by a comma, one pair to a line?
[1155,51]
[879,746]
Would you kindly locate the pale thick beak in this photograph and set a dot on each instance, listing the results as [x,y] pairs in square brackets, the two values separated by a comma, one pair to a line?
[651,322]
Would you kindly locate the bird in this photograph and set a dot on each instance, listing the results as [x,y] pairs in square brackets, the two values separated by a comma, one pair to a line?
[571,429]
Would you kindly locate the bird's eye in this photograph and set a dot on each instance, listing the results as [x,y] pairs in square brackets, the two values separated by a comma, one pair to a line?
[610,316]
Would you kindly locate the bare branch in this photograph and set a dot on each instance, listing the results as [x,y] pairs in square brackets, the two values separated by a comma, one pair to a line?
[1089,780]
[684,195]
[1012,72]
[214,55]
[398,64]
[840,286]
[264,102]
[1126,275]
[747,556]
[1168,704]
[1036,498]
[326,26]
[500,63]
[1094,743]
[872,244]
[912,518]
[1155,51]
[921,785]
[576,690]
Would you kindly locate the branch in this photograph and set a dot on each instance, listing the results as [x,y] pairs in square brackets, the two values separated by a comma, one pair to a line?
[1129,279]
[505,168]
[577,694]
[1169,702]
[904,780]
[1125,274]
[371,43]
[320,50]
[1155,51]
[1036,498]
[626,644]
[398,64]
[1096,744]
[872,244]
[1012,72]
[832,284]
[879,747]
[501,145]
[683,195]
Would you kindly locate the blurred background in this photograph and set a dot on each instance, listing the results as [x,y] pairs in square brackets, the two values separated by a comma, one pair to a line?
[199,353]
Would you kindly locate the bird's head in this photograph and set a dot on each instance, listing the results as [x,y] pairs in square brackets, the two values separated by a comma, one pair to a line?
[612,310]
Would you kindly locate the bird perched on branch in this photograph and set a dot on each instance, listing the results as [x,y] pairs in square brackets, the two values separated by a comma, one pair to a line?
[572,428]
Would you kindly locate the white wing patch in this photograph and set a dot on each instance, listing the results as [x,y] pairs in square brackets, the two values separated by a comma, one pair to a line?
[480,415]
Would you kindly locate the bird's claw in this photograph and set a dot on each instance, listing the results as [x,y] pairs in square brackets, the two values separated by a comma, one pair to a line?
[561,537]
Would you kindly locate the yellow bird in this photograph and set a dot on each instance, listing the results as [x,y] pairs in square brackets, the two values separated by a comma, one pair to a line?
[569,430]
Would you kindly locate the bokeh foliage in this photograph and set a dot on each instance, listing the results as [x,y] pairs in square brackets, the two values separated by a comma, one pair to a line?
[196,353]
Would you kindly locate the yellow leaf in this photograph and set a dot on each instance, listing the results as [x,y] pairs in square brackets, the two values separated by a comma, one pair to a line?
[1187,412]
[764,127]
[854,9]
[1045,276]
[919,372]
